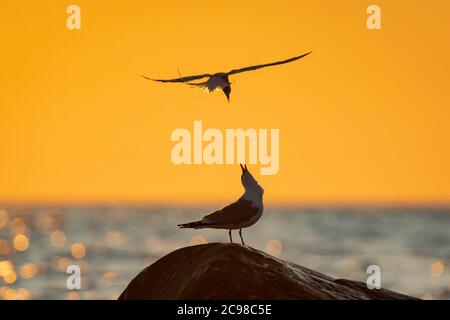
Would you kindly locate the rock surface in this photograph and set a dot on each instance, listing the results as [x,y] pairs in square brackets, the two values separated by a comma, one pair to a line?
[232,271]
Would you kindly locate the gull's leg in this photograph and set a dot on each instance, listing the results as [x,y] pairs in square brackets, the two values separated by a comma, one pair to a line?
[240,234]
[231,239]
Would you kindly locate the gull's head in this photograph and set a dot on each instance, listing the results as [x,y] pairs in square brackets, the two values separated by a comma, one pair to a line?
[248,181]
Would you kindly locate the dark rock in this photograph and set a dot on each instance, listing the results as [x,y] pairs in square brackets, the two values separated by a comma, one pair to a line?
[232,271]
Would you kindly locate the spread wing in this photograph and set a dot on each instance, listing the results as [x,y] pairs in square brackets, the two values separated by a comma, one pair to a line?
[251,68]
[235,213]
[182,79]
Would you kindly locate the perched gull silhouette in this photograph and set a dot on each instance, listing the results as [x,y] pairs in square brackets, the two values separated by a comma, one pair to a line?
[220,80]
[243,213]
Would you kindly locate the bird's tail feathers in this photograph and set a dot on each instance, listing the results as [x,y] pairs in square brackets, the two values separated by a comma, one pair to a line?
[193,84]
[201,85]
[195,225]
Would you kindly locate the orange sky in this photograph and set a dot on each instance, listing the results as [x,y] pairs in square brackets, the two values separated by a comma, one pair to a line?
[365,118]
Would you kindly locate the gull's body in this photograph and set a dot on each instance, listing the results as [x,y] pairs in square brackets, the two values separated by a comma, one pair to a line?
[243,213]
[216,81]
[220,80]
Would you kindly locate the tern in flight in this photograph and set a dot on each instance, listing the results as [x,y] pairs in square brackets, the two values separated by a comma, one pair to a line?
[243,213]
[220,80]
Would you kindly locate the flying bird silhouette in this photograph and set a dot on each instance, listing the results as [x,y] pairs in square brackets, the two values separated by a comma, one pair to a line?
[243,213]
[220,80]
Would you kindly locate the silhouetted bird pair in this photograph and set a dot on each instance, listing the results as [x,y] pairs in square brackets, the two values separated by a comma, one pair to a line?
[247,210]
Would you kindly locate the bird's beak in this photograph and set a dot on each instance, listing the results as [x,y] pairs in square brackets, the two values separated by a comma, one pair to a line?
[242,167]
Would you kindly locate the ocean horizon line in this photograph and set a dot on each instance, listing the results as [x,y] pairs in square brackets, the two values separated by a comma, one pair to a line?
[214,203]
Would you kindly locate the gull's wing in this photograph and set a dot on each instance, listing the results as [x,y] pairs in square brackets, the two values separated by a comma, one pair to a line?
[251,68]
[182,79]
[235,213]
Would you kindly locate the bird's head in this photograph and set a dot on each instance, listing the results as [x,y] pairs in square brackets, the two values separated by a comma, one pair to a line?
[227,91]
[248,181]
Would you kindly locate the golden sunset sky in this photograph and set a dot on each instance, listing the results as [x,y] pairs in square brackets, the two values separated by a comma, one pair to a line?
[364,119]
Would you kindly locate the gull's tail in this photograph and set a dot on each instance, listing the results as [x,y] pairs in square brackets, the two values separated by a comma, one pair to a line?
[201,85]
[195,225]
[195,84]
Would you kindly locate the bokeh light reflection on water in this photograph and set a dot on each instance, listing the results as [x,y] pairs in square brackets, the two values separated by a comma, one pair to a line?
[111,245]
